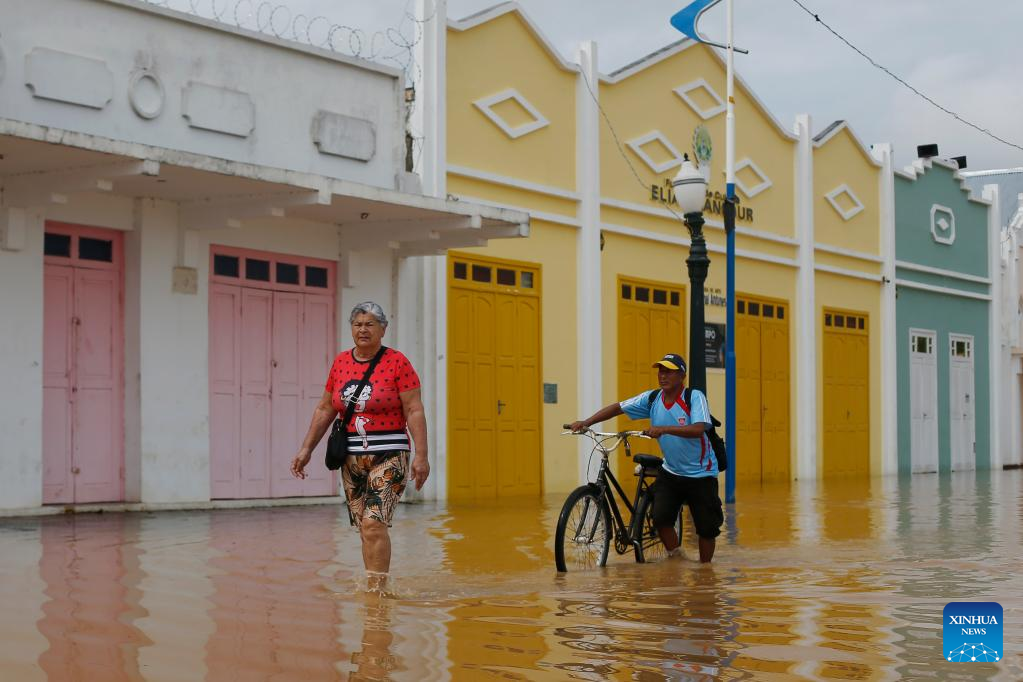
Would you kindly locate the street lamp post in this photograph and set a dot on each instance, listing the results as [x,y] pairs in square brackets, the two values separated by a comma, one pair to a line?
[691,191]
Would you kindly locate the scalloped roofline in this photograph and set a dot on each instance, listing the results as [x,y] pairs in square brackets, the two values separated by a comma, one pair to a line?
[620,74]
[921,166]
[829,133]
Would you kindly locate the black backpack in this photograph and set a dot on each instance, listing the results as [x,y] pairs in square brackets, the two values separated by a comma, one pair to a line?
[717,443]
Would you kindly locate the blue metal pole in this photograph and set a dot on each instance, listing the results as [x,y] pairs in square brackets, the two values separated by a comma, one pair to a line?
[730,254]
[730,343]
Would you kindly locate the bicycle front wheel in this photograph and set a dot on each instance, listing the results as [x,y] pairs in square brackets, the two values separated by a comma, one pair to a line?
[584,531]
[650,548]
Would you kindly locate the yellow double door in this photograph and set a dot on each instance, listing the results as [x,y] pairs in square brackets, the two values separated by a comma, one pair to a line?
[762,389]
[651,323]
[846,394]
[494,392]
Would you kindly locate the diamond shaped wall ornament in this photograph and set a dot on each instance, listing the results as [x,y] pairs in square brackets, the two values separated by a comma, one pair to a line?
[943,224]
[684,90]
[750,192]
[653,139]
[487,104]
[846,212]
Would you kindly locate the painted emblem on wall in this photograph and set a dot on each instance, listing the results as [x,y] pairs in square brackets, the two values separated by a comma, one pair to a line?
[487,104]
[703,147]
[943,224]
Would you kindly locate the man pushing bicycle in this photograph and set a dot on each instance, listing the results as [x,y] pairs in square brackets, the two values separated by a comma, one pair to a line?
[689,474]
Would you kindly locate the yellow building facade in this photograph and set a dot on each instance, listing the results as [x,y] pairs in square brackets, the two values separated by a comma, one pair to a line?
[547,329]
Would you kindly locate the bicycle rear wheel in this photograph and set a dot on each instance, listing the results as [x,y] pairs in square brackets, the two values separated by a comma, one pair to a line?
[650,548]
[584,531]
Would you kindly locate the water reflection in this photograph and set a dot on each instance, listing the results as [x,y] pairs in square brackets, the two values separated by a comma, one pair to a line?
[175,588]
[91,569]
[374,659]
[517,531]
[274,617]
[841,580]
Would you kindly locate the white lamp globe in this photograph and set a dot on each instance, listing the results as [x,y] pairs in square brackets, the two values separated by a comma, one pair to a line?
[690,187]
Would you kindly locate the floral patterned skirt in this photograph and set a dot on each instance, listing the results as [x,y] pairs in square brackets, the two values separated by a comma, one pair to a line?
[374,484]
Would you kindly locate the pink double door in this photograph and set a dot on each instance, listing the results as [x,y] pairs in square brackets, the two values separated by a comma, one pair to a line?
[83,366]
[271,346]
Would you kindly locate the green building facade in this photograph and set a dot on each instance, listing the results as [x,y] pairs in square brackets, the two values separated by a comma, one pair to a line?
[943,315]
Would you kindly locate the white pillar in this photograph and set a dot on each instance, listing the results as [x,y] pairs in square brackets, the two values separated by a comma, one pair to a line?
[1011,292]
[429,126]
[429,116]
[994,233]
[133,245]
[1007,365]
[806,308]
[21,357]
[436,278]
[889,323]
[588,308]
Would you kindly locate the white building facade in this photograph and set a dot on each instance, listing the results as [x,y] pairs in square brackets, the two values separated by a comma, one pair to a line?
[188,211]
[1009,361]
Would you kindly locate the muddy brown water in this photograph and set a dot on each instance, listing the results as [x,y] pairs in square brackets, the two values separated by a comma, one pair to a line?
[843,580]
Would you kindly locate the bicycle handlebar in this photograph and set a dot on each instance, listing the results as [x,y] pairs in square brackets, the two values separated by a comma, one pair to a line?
[601,434]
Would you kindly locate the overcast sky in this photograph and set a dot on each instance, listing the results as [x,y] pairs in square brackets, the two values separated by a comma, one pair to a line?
[965,55]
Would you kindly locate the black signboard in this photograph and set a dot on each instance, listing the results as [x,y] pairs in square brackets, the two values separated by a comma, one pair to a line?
[714,345]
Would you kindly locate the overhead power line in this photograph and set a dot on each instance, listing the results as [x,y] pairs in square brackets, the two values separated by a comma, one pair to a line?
[621,148]
[901,81]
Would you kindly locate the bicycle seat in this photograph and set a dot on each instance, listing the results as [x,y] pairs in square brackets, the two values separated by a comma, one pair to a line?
[648,461]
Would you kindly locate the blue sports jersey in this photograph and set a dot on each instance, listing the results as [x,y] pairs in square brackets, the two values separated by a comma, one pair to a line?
[691,457]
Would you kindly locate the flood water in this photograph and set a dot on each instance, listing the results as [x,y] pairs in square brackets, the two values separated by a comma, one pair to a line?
[834,581]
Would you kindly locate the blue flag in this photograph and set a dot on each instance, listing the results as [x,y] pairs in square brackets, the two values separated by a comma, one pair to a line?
[686,19]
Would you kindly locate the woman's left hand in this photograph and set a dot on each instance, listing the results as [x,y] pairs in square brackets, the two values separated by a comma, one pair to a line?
[420,469]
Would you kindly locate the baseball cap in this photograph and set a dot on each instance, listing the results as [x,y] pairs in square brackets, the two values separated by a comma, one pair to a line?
[672,361]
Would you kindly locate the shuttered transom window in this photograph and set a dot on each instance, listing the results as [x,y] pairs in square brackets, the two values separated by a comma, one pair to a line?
[507,276]
[270,270]
[654,295]
[771,310]
[838,320]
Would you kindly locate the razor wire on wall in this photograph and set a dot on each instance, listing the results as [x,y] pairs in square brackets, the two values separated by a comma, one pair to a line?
[394,46]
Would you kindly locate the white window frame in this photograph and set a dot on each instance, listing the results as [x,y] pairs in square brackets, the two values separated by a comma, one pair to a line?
[930,334]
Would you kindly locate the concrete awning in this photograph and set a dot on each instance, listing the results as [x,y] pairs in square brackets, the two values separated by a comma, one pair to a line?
[41,165]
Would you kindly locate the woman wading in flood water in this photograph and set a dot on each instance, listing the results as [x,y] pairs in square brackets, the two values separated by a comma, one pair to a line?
[379,461]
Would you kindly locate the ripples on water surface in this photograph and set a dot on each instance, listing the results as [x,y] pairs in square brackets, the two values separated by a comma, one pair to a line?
[842,581]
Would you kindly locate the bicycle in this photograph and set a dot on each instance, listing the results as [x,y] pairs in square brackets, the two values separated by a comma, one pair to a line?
[583,536]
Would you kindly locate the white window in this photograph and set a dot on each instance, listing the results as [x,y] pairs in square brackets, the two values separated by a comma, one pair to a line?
[961,347]
[921,343]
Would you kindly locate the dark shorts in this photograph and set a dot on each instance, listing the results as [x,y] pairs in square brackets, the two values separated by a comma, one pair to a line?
[699,494]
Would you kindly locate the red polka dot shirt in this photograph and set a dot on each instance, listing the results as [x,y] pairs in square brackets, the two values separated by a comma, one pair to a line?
[378,422]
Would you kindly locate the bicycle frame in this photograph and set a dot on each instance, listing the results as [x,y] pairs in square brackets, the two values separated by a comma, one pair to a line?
[626,535]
